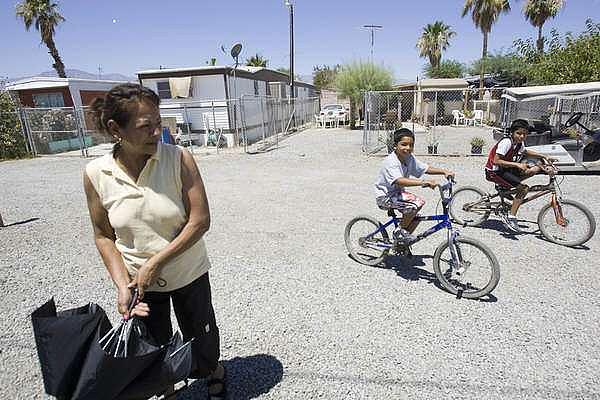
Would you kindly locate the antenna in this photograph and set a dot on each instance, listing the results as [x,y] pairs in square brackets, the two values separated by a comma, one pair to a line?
[372,28]
[235,52]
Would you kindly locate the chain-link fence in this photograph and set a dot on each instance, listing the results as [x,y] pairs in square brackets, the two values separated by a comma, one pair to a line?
[254,122]
[445,121]
[553,110]
[266,119]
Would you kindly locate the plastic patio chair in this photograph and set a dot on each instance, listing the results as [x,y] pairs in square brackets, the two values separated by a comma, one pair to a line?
[458,117]
[478,117]
[319,121]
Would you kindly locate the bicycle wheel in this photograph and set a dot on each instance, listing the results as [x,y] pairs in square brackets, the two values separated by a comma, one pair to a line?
[474,274]
[469,206]
[579,227]
[362,245]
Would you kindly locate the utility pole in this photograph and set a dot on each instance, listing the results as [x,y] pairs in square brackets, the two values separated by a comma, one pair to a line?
[290,5]
[372,28]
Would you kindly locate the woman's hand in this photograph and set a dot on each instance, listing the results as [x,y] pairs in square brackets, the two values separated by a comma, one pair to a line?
[124,300]
[146,276]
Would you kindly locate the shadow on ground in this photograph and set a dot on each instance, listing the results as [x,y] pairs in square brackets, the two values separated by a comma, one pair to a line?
[26,221]
[407,267]
[246,377]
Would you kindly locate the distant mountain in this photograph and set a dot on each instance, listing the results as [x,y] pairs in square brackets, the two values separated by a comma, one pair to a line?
[79,74]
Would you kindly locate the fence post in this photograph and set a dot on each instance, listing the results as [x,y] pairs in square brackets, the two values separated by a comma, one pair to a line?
[186,121]
[30,133]
[244,126]
[80,135]
[262,118]
[25,131]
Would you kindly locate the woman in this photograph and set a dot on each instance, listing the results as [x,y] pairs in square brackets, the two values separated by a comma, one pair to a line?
[149,212]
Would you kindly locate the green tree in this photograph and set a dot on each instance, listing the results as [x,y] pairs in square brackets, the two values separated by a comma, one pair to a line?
[12,142]
[45,17]
[434,39]
[446,69]
[358,77]
[537,12]
[484,14]
[509,68]
[212,62]
[257,61]
[324,76]
[571,59]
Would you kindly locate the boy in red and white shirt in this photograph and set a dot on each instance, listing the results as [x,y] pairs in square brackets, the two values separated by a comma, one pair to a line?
[505,167]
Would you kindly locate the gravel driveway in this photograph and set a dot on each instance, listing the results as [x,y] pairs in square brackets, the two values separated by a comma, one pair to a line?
[299,319]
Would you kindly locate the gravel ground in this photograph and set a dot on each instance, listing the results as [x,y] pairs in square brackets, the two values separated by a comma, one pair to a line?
[299,319]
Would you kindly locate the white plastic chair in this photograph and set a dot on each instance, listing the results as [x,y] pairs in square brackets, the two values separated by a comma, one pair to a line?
[320,122]
[478,117]
[331,120]
[458,117]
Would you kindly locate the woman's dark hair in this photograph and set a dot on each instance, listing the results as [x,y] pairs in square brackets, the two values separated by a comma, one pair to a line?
[403,132]
[519,124]
[116,105]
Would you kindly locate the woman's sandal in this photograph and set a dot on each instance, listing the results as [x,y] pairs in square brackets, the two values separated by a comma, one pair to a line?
[220,395]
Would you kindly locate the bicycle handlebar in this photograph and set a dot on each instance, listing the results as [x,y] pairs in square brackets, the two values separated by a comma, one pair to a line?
[447,186]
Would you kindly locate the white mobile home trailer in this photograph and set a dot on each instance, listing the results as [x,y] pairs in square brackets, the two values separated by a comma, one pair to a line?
[202,100]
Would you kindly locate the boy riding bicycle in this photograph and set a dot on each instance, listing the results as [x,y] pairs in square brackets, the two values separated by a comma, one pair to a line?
[395,174]
[505,167]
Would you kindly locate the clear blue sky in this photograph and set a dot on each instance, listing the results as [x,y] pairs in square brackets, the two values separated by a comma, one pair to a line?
[188,32]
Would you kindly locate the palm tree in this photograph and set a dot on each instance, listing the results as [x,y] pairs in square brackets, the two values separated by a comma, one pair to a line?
[45,17]
[433,41]
[257,61]
[537,12]
[484,14]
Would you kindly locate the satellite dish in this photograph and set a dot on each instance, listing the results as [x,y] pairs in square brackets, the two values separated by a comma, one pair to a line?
[236,50]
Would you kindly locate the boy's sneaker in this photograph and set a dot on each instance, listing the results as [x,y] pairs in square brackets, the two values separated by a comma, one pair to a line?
[512,224]
[403,236]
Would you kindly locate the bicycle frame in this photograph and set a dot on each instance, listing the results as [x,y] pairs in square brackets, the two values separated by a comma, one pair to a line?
[539,191]
[444,223]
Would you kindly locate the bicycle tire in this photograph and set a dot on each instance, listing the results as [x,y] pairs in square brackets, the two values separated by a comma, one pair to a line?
[542,216]
[457,207]
[353,248]
[466,290]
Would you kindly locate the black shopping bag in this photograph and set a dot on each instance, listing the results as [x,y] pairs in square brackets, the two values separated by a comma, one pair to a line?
[63,340]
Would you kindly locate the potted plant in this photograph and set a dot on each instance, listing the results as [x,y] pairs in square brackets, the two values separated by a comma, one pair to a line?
[432,148]
[477,144]
[432,143]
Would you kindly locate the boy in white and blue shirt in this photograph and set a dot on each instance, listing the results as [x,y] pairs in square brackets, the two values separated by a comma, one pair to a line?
[395,174]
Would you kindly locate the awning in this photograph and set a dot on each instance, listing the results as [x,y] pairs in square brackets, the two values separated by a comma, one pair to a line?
[180,87]
[36,85]
[548,91]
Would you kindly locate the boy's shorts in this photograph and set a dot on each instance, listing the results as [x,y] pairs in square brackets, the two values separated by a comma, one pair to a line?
[505,177]
[404,202]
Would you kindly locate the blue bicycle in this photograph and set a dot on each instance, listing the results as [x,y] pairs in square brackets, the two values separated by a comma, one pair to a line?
[464,266]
